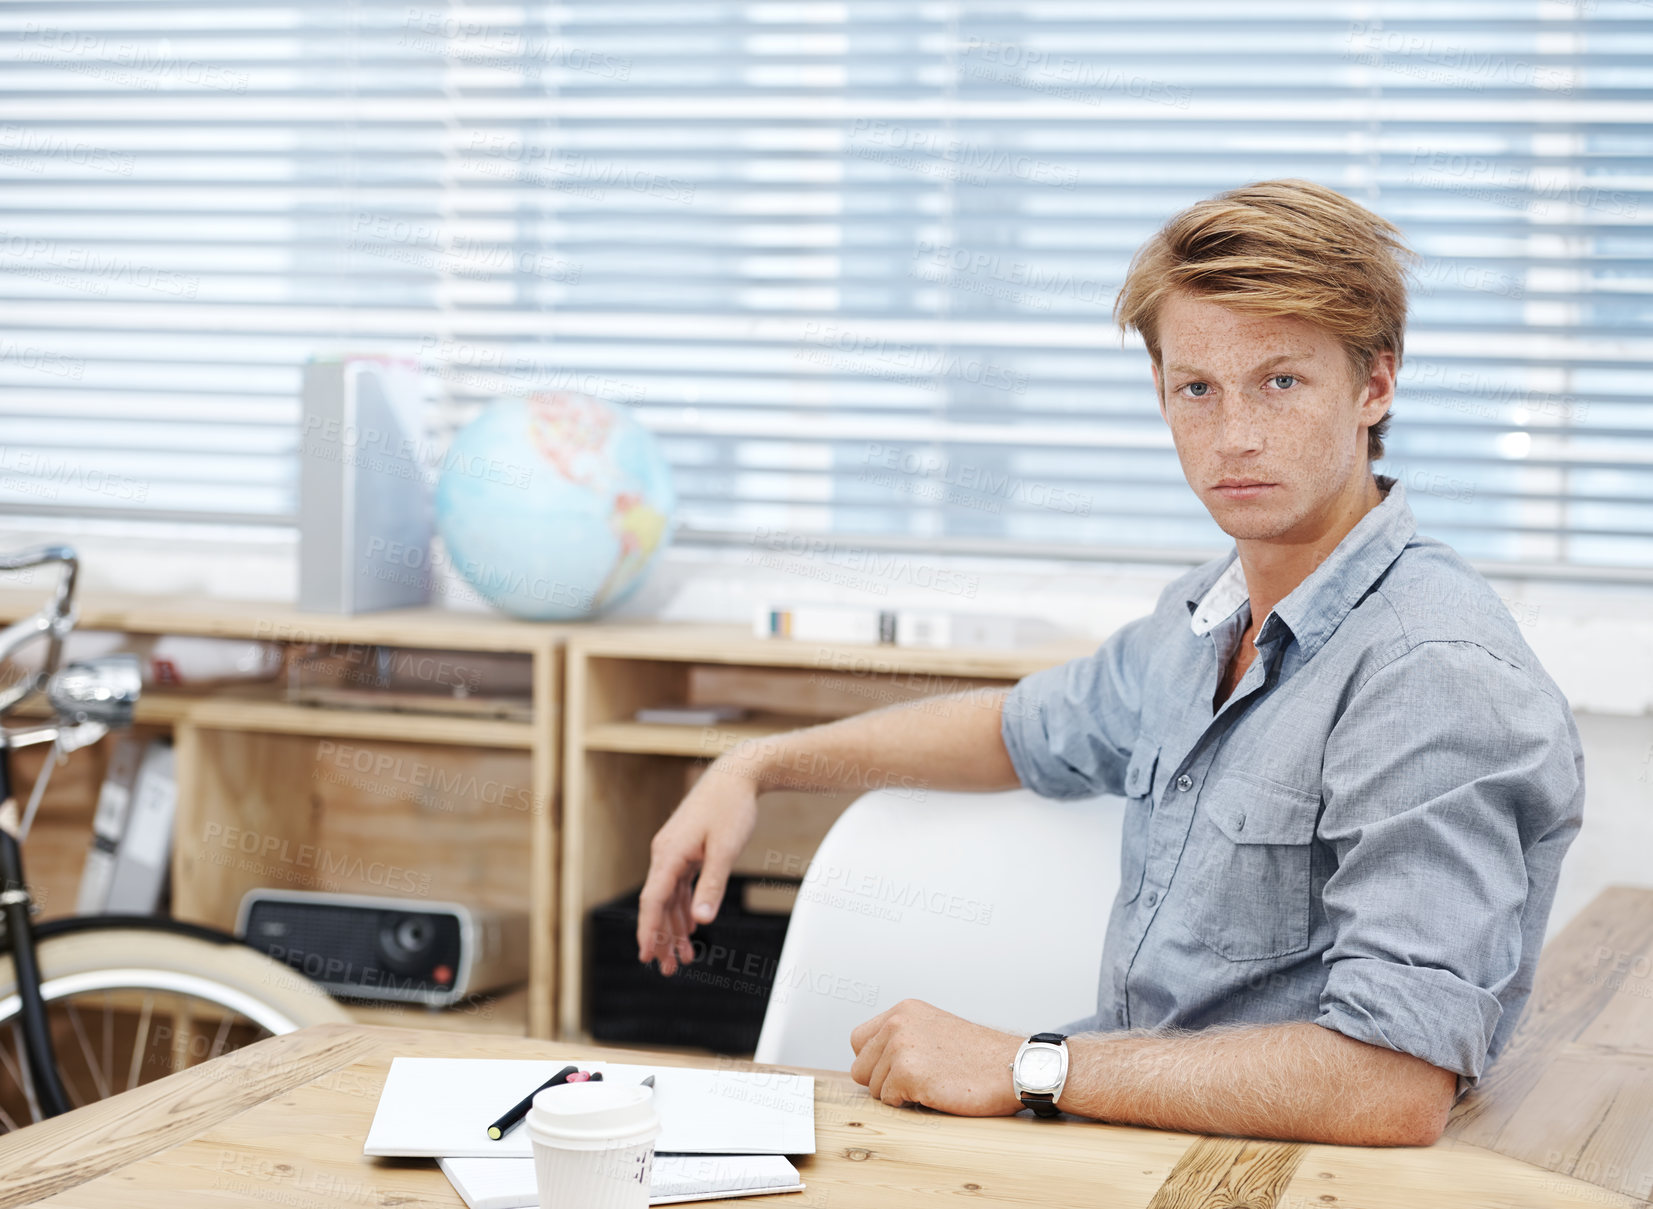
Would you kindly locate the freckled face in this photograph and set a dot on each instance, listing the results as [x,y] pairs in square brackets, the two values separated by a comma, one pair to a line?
[1267,419]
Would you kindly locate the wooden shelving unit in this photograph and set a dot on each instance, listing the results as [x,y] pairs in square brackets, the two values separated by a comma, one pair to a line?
[534,814]
[622,778]
[427,805]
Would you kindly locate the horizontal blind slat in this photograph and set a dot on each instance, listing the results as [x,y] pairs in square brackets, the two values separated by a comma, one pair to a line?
[905,173]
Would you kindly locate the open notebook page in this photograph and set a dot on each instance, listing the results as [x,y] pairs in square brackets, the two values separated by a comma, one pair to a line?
[441,1107]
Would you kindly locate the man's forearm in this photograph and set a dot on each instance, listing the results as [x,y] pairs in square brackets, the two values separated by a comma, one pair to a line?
[1299,1081]
[949,743]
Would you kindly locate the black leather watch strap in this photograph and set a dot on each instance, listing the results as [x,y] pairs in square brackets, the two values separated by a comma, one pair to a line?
[1041,1108]
[1049,1038]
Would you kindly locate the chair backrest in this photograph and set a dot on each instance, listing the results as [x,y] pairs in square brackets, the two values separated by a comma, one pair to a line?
[991,906]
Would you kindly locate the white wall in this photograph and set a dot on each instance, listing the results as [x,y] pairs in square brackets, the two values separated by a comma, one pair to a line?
[1617,840]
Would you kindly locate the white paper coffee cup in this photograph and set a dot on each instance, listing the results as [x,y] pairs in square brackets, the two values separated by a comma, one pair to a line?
[593,1145]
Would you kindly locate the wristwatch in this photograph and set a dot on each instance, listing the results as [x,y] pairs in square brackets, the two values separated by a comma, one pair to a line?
[1039,1071]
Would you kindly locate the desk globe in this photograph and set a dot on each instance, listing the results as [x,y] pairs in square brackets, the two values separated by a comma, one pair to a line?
[553,507]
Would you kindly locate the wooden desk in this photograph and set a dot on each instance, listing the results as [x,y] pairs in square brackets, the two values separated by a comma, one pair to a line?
[282,1122]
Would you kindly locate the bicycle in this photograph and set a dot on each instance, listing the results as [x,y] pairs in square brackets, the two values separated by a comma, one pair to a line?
[127,998]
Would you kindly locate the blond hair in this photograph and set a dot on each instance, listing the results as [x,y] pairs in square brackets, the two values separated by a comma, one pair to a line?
[1280,248]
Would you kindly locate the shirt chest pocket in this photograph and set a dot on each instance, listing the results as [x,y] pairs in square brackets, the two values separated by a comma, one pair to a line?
[1250,850]
[1139,810]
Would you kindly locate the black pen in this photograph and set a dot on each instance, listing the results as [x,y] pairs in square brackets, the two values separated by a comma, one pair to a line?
[512,1119]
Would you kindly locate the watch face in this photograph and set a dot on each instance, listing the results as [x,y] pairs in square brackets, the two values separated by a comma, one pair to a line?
[1040,1068]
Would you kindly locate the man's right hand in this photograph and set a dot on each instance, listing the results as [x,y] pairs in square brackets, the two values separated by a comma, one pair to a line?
[704,836]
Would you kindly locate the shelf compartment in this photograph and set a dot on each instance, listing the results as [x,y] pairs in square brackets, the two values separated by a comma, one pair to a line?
[295,812]
[703,742]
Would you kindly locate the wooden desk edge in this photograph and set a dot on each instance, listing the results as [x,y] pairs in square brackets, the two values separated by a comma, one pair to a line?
[67,1151]
[59,1155]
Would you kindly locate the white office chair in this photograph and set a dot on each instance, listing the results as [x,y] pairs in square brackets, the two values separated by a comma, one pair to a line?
[990,906]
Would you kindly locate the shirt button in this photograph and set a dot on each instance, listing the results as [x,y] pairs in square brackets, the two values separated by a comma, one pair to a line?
[1239,821]
[1151,898]
[1185,782]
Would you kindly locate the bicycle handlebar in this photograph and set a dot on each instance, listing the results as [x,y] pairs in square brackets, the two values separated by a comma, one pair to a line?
[54,619]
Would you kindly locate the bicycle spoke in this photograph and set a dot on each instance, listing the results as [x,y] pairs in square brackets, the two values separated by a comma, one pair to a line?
[11,1068]
[25,1080]
[108,1065]
[223,1031]
[142,1042]
[71,1087]
[86,1051]
[182,1027]
[15,1074]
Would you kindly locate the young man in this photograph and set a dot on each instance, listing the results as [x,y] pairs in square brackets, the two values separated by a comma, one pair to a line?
[1349,783]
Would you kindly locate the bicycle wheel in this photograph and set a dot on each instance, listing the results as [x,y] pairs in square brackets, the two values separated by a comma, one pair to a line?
[130,1004]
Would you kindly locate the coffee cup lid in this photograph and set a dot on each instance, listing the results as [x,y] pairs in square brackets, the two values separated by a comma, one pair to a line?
[594,1113]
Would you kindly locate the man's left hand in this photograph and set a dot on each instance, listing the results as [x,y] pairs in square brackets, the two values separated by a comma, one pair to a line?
[916,1053]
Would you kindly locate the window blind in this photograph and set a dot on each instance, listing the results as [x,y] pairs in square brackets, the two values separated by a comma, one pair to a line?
[852,262]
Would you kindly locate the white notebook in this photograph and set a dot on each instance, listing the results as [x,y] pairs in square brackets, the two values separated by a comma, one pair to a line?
[509,1183]
[442,1107]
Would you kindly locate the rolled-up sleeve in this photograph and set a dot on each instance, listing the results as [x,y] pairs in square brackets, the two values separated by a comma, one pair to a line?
[1069,728]
[1445,770]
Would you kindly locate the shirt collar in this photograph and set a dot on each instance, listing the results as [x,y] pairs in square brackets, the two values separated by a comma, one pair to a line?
[1318,605]
[1220,601]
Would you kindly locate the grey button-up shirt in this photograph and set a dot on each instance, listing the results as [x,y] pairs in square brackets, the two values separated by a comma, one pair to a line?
[1366,834]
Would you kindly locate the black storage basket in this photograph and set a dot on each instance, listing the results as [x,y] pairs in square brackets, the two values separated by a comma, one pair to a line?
[716,1002]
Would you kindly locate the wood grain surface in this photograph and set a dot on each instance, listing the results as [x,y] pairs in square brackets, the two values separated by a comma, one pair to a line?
[282,1123]
[126,1129]
[1573,1090]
